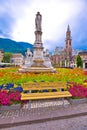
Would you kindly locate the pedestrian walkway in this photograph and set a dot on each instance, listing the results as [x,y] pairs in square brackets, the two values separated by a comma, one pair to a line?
[41,114]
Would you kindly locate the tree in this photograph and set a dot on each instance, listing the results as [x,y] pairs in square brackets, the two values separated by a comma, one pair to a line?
[79,61]
[6,57]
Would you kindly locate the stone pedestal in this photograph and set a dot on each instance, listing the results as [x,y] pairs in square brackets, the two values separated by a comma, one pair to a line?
[38,62]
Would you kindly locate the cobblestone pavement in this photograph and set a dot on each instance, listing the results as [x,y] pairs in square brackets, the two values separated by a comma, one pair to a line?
[35,104]
[44,110]
[66,124]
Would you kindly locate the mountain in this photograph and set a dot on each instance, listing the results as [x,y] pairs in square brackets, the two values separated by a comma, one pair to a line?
[8,45]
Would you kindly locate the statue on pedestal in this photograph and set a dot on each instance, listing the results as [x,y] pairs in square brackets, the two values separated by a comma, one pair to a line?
[37,62]
[28,53]
[38,20]
[47,53]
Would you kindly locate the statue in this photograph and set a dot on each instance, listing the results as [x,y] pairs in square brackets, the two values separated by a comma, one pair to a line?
[47,53]
[38,20]
[28,53]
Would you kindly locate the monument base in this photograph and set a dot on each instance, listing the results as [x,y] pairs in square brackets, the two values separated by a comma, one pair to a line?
[37,70]
[38,63]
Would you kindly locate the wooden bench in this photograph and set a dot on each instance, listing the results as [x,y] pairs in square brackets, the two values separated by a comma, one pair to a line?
[39,89]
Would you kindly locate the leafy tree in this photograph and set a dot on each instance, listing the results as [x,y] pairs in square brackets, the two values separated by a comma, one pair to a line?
[79,61]
[6,57]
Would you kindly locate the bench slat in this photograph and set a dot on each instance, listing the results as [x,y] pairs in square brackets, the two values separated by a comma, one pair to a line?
[34,96]
[46,93]
[42,86]
[45,97]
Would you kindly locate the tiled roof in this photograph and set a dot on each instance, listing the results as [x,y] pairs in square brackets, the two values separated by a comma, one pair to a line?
[16,55]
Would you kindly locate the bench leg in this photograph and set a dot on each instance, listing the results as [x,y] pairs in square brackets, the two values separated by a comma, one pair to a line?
[29,105]
[63,102]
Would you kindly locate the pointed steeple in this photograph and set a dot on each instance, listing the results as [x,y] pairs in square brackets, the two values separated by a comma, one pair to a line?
[68,33]
[68,44]
[68,28]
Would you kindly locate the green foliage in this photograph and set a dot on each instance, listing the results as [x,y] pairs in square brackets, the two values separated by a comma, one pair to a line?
[79,61]
[6,57]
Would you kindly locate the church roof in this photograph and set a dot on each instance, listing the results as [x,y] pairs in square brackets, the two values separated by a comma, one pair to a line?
[83,53]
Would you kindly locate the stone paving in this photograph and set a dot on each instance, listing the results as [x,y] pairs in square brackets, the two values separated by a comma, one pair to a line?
[39,112]
[34,104]
[66,124]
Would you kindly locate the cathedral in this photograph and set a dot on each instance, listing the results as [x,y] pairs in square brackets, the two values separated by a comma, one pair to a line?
[63,57]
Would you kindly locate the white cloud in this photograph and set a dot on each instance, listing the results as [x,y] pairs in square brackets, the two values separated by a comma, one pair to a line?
[56,15]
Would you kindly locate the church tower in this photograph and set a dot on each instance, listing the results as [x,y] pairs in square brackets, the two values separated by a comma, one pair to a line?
[68,45]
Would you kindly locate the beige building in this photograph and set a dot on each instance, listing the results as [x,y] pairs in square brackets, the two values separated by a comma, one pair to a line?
[1,55]
[17,59]
[58,60]
[83,55]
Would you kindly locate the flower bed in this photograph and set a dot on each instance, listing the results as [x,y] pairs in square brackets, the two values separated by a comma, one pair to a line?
[9,97]
[79,94]
[78,91]
[11,75]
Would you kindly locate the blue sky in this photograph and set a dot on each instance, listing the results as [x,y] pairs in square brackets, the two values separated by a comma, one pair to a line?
[17,21]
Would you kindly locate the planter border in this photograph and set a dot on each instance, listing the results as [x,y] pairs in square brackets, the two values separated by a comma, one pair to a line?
[77,101]
[12,107]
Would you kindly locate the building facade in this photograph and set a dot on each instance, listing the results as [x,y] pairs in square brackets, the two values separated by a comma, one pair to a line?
[62,57]
[1,55]
[17,59]
[83,56]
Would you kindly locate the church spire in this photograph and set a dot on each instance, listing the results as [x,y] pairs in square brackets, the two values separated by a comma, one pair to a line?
[68,28]
[68,33]
[68,44]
